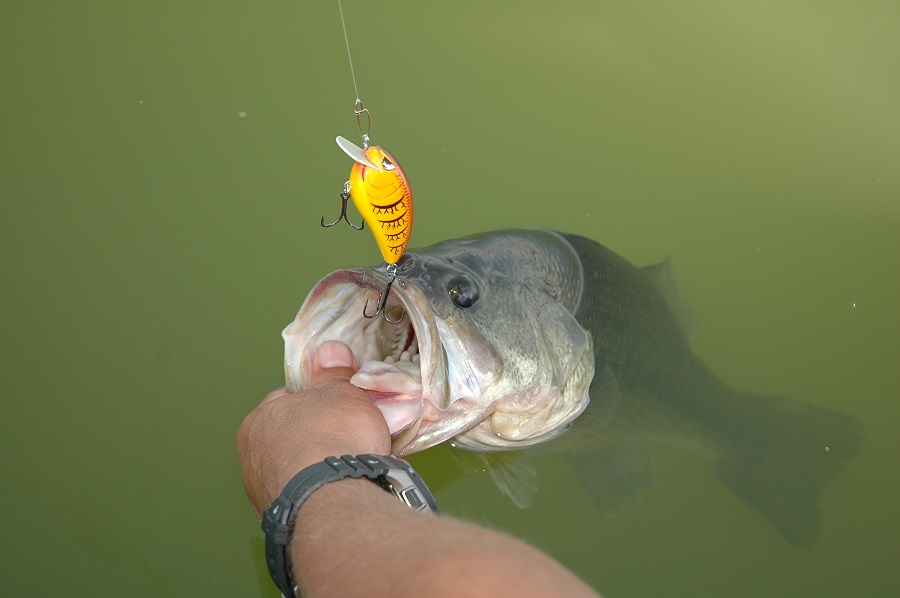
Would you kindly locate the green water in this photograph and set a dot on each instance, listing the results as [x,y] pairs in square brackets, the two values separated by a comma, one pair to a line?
[154,242]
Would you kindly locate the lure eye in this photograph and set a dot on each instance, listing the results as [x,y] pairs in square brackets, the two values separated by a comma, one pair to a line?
[463,291]
[387,164]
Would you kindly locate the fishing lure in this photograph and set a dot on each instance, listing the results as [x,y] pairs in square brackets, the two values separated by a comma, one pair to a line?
[381,193]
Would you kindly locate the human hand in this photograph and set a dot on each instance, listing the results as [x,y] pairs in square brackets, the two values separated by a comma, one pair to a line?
[287,432]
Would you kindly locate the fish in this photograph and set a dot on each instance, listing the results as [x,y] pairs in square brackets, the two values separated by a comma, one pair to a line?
[521,341]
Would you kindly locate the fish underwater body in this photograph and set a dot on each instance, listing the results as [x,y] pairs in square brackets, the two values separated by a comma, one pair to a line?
[517,337]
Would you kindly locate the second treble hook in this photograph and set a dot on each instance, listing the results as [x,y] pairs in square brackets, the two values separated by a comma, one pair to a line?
[382,299]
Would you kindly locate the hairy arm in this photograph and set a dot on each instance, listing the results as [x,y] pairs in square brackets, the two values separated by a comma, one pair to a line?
[354,539]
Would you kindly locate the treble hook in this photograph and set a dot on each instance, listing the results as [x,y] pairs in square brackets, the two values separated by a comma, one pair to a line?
[345,195]
[382,299]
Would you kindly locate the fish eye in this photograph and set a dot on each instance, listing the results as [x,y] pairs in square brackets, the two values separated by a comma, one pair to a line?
[387,164]
[463,291]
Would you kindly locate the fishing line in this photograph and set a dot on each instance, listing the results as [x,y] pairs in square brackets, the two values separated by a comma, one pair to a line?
[358,108]
[349,57]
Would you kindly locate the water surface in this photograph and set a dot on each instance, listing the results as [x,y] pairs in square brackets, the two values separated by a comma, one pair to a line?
[164,168]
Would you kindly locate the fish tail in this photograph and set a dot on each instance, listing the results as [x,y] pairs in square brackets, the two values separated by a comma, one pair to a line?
[780,456]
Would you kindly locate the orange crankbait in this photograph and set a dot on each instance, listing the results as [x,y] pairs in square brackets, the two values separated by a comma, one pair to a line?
[381,193]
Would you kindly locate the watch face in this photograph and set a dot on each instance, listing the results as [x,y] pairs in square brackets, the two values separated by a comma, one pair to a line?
[407,486]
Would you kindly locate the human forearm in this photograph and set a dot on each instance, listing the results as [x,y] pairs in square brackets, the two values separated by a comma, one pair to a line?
[353,538]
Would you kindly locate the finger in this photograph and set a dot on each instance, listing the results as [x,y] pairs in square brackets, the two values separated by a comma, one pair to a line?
[333,362]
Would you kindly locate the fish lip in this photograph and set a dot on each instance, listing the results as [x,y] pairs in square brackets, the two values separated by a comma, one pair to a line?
[326,314]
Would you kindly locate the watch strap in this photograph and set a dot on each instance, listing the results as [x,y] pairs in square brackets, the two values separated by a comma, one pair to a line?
[392,474]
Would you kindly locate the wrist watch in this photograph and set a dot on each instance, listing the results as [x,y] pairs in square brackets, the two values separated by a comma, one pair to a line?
[392,474]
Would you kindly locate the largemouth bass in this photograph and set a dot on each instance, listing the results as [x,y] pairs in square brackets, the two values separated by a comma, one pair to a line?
[516,337]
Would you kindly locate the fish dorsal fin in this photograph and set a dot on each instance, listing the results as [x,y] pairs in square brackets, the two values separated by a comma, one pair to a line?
[514,475]
[663,279]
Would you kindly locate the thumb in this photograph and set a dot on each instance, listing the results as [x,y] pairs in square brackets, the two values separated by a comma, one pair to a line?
[333,362]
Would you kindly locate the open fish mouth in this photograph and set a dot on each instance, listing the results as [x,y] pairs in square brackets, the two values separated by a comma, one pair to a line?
[392,356]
